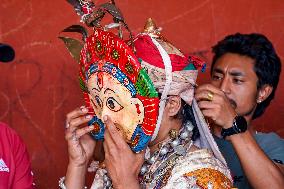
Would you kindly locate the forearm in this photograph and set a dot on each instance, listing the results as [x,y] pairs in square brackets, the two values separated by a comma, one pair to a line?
[75,177]
[259,169]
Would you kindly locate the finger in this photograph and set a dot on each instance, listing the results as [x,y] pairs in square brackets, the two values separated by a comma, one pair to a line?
[84,130]
[76,122]
[202,95]
[206,105]
[76,113]
[209,113]
[141,155]
[109,141]
[205,95]
[209,88]
[69,134]
[140,160]
[113,132]
[106,150]
[74,137]
[201,88]
[88,143]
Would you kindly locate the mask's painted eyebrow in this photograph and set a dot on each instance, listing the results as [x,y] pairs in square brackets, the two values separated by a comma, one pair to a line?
[108,89]
[96,89]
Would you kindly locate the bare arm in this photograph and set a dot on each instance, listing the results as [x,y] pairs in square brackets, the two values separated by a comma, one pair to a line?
[281,167]
[75,176]
[80,148]
[259,169]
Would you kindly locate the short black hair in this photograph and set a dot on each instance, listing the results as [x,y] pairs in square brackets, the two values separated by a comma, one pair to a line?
[267,64]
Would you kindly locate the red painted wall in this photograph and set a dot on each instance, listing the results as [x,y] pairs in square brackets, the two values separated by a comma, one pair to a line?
[40,86]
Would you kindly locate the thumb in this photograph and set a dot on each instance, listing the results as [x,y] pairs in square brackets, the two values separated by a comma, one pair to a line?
[141,156]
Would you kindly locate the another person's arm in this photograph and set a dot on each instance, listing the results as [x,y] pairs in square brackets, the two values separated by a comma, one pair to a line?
[259,169]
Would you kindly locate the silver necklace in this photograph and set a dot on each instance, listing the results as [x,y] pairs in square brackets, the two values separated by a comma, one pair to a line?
[167,154]
[156,175]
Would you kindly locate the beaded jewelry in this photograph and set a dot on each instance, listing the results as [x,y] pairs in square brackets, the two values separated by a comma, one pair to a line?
[62,185]
[168,153]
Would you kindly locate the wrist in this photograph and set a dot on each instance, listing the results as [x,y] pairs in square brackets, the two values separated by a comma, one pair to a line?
[230,121]
[239,125]
[74,169]
[75,176]
[132,183]
[78,164]
[237,138]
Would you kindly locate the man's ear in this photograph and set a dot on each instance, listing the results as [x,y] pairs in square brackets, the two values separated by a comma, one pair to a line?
[263,93]
[173,105]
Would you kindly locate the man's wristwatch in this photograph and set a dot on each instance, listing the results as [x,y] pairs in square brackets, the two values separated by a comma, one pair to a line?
[239,126]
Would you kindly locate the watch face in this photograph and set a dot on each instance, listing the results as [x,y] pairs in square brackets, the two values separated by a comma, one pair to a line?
[241,124]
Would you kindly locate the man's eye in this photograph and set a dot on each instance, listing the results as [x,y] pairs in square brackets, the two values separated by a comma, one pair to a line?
[216,77]
[113,105]
[238,81]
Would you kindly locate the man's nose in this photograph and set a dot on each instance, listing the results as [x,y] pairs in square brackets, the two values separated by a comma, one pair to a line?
[225,86]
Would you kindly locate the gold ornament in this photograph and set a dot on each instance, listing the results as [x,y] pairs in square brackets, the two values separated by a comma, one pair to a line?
[115,54]
[173,133]
[210,96]
[151,28]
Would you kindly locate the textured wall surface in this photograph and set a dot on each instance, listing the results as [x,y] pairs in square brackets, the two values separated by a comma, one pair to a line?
[40,86]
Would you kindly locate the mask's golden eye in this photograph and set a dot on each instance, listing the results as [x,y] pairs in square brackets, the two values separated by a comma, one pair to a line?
[113,105]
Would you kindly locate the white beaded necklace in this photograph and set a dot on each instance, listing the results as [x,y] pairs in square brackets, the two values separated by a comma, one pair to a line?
[167,154]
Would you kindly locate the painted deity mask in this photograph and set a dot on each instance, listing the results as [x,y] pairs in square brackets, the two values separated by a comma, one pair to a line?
[114,84]
[111,77]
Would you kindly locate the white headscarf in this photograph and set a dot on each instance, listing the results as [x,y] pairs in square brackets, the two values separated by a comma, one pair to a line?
[180,83]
